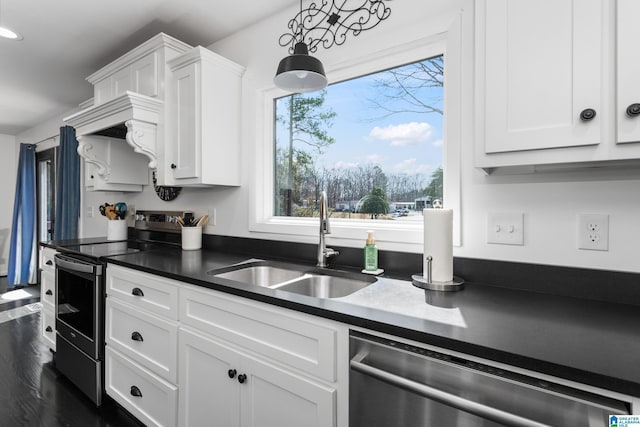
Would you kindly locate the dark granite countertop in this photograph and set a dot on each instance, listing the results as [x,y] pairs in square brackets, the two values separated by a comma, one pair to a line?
[592,342]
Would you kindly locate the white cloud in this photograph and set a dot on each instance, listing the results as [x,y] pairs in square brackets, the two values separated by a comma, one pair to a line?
[375,158]
[411,166]
[404,134]
[345,165]
[437,143]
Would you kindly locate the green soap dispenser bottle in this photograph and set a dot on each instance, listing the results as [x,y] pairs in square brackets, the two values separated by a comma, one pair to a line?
[370,253]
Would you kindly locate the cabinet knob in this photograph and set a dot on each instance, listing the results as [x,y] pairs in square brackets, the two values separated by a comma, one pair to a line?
[49,329]
[136,336]
[173,166]
[232,373]
[137,292]
[135,391]
[48,292]
[49,262]
[91,176]
[587,114]
[242,378]
[633,110]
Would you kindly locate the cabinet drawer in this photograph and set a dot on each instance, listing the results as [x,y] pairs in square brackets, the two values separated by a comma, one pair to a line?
[147,339]
[284,336]
[144,291]
[150,399]
[48,326]
[47,261]
[48,287]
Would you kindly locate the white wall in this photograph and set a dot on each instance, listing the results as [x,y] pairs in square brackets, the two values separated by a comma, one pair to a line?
[550,202]
[8,170]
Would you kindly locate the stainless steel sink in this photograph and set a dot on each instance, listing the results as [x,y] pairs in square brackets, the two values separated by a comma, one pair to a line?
[318,282]
[325,286]
[260,273]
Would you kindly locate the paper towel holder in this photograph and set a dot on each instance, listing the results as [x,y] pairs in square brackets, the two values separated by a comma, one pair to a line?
[427,283]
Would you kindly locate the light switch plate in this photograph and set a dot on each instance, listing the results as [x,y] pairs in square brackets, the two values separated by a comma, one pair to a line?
[505,228]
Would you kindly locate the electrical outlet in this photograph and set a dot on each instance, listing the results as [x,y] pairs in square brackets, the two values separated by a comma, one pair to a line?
[593,232]
[505,228]
[90,212]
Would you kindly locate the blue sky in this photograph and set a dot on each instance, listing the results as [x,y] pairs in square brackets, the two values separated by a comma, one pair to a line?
[400,143]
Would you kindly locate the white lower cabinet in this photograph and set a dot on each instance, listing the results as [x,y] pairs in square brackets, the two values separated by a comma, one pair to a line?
[225,386]
[48,296]
[145,395]
[179,354]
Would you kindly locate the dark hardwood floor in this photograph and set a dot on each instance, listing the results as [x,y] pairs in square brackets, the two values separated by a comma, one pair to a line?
[32,391]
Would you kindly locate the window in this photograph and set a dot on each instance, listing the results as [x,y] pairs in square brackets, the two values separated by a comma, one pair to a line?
[267,207]
[374,143]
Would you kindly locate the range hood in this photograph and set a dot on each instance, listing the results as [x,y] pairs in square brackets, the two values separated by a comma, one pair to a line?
[139,114]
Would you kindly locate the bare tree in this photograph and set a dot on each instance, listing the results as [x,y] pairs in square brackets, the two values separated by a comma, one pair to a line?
[406,89]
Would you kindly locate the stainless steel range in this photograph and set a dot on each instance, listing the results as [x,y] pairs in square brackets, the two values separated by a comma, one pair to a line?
[79,305]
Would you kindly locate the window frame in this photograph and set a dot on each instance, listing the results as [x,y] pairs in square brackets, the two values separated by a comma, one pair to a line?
[390,235]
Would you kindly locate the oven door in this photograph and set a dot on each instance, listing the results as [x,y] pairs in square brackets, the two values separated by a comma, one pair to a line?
[79,303]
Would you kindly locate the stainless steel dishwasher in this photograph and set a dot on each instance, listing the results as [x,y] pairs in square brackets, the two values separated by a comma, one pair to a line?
[392,384]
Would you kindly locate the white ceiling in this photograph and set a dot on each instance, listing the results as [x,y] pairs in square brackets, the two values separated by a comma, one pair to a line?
[67,40]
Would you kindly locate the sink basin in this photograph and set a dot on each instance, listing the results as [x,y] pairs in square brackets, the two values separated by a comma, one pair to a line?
[319,283]
[326,286]
[260,273]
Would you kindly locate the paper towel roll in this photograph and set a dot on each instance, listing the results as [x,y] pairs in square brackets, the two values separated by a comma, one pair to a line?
[438,243]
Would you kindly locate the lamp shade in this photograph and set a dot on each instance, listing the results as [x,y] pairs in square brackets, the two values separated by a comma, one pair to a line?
[300,72]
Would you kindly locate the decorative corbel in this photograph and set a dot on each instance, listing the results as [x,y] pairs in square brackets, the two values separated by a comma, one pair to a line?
[86,151]
[142,137]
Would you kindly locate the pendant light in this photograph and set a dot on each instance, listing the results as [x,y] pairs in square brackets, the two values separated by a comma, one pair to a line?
[300,72]
[6,32]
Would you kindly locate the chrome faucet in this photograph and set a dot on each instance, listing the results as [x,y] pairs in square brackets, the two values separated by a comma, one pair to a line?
[323,251]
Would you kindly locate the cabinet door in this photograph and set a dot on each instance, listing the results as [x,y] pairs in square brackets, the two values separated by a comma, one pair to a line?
[186,140]
[628,70]
[208,396]
[273,397]
[539,68]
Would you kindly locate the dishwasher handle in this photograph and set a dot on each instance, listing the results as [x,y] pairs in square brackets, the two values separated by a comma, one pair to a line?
[448,399]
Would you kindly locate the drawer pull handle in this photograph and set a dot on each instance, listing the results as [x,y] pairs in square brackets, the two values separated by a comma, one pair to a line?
[587,114]
[242,378]
[633,110]
[135,391]
[48,292]
[136,336]
[49,329]
[137,292]
[232,373]
[49,262]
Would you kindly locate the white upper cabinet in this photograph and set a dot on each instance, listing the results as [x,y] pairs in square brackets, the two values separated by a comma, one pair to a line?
[628,71]
[142,70]
[545,82]
[204,110]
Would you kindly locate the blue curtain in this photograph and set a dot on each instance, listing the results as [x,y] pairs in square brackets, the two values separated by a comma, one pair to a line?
[23,250]
[67,186]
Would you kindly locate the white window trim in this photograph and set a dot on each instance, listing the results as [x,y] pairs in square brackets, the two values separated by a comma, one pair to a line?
[390,235]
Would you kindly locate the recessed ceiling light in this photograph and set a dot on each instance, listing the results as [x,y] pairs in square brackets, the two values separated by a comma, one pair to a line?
[8,34]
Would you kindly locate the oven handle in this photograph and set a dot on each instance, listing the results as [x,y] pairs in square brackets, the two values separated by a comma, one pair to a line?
[448,399]
[80,267]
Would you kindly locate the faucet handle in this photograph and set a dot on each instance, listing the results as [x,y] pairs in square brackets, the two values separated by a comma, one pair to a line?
[329,252]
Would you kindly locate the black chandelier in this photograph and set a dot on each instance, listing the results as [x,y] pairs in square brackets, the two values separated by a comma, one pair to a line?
[323,23]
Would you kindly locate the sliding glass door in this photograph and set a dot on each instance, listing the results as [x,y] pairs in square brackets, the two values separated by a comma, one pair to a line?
[46,185]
